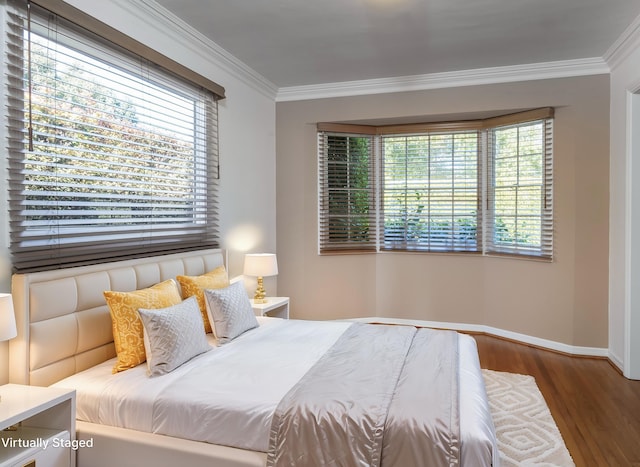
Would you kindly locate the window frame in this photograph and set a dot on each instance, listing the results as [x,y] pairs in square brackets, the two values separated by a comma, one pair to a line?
[428,189]
[328,181]
[543,251]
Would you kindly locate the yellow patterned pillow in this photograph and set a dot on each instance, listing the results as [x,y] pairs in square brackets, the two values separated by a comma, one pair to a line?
[195,285]
[128,335]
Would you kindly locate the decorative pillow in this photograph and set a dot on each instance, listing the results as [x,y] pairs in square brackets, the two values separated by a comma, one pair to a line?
[172,336]
[128,334]
[195,285]
[230,311]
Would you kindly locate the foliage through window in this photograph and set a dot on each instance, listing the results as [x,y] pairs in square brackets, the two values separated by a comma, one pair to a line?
[479,187]
[110,156]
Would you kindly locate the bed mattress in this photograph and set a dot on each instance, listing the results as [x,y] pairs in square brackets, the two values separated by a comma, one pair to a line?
[228,396]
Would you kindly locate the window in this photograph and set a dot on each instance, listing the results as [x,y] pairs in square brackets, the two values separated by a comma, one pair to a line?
[347,203]
[519,195]
[475,187]
[430,191]
[109,155]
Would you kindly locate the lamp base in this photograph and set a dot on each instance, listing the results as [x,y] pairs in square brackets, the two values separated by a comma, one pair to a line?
[259,296]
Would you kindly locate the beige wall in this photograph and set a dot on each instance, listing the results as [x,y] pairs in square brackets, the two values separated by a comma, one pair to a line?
[569,302]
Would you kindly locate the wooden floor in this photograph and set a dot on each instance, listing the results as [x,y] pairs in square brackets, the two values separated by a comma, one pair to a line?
[596,409]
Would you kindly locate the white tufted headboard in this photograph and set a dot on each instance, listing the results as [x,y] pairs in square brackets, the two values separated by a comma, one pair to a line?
[63,322]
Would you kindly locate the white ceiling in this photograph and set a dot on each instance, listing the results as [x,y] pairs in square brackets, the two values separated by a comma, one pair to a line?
[305,42]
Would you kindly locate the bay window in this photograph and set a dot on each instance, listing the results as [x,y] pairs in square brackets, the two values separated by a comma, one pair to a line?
[482,187]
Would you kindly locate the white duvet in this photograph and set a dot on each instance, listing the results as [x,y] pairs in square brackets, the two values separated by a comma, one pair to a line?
[228,395]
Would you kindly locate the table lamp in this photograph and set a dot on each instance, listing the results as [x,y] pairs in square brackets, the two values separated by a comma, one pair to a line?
[260,265]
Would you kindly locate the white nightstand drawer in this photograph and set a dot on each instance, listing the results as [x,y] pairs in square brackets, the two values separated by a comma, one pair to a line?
[37,447]
[46,426]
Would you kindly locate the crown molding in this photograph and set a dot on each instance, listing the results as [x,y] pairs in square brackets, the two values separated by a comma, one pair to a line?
[504,74]
[157,17]
[160,19]
[628,42]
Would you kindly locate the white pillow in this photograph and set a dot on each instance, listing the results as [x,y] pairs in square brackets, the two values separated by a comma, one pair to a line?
[229,311]
[172,336]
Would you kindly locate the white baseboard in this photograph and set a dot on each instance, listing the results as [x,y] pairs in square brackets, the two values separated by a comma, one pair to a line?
[480,328]
[617,361]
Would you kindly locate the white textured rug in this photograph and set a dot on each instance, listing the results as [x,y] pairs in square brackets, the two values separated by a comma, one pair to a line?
[526,432]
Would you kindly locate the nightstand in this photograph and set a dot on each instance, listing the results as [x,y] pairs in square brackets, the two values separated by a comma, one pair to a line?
[43,426]
[277,307]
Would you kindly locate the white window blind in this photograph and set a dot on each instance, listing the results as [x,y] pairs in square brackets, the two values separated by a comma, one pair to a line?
[430,192]
[347,197]
[122,159]
[520,197]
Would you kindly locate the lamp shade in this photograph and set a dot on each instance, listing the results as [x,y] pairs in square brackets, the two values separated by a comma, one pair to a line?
[7,318]
[260,264]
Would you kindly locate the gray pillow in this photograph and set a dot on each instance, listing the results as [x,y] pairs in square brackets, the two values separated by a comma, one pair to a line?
[172,336]
[229,311]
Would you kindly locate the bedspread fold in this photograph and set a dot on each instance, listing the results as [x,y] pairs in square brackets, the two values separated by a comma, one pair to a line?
[381,396]
[426,405]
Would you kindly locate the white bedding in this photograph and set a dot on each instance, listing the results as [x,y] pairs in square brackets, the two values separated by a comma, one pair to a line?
[232,400]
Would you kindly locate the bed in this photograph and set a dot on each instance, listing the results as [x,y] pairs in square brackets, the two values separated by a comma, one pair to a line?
[65,338]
